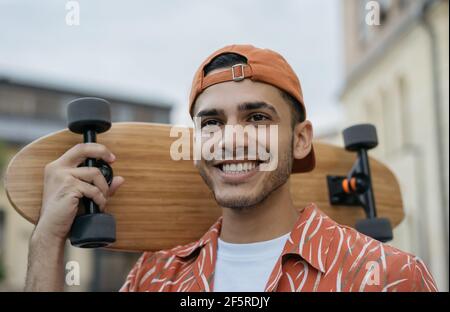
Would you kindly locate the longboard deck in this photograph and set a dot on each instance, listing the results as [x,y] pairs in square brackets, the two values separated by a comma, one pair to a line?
[164,202]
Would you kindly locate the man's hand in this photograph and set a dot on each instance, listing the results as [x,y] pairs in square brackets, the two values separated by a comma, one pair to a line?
[64,185]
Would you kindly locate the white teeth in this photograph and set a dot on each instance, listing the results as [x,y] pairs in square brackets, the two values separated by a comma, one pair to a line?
[238,168]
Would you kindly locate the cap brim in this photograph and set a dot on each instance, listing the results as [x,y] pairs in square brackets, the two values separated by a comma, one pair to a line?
[305,164]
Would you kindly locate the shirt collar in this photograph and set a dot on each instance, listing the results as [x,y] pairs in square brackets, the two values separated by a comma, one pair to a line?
[310,238]
[210,237]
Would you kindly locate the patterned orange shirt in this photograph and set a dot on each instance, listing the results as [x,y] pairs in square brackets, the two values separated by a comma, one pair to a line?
[320,255]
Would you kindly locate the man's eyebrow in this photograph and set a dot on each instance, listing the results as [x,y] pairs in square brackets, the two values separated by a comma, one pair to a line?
[256,105]
[210,112]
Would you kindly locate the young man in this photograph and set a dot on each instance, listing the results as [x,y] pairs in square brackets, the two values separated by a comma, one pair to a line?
[261,242]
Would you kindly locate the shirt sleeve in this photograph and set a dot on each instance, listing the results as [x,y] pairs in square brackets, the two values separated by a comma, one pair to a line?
[412,276]
[422,277]
[133,279]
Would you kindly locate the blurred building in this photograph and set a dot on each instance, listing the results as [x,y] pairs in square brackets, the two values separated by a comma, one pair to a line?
[397,77]
[30,109]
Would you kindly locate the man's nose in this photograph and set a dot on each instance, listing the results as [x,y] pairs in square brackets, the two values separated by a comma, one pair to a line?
[235,140]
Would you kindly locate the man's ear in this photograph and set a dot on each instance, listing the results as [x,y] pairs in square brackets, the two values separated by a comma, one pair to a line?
[302,143]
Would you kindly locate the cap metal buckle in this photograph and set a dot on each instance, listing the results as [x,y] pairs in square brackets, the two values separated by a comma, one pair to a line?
[233,72]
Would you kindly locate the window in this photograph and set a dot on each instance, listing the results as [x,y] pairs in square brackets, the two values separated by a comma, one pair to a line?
[385,8]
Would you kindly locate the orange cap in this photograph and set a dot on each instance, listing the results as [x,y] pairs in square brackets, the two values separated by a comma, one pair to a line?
[262,65]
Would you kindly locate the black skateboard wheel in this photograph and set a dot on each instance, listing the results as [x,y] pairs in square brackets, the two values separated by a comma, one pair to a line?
[93,230]
[363,136]
[89,113]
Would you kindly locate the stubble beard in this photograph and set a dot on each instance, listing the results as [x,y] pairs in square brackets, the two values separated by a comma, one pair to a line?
[276,179]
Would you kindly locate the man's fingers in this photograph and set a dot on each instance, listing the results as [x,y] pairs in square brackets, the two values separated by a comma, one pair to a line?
[115,184]
[92,192]
[91,175]
[77,154]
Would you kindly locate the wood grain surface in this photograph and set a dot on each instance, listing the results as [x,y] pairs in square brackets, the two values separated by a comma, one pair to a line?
[163,202]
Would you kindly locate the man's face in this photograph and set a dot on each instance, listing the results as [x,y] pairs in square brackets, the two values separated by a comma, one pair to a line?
[240,183]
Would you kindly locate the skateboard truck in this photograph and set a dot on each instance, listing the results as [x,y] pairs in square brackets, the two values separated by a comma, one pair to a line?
[93,229]
[355,189]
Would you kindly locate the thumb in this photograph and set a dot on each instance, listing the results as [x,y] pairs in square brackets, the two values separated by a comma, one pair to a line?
[115,184]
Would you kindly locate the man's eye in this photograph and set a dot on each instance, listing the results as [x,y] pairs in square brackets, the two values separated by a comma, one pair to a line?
[258,117]
[210,122]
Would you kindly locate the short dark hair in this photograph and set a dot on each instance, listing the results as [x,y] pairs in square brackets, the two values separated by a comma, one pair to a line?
[229,59]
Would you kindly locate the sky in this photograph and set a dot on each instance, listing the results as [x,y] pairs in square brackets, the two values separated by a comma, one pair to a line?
[151,49]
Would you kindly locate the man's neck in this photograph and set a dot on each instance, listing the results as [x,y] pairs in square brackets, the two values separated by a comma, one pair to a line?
[272,218]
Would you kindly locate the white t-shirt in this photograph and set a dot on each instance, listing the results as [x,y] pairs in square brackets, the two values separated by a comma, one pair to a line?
[246,267]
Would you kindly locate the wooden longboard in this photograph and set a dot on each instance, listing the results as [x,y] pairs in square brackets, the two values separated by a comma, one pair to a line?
[163,202]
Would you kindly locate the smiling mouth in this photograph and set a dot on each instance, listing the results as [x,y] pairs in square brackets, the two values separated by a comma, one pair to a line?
[239,167]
